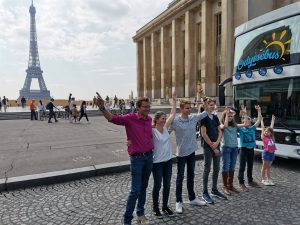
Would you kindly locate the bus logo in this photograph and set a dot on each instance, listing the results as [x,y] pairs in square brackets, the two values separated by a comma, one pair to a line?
[270,48]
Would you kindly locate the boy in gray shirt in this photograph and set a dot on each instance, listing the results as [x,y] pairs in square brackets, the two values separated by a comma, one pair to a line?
[185,132]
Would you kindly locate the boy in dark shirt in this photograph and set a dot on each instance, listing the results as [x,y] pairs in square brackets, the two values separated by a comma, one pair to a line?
[212,134]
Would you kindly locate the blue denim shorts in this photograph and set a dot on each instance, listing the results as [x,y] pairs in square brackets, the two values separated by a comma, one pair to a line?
[268,156]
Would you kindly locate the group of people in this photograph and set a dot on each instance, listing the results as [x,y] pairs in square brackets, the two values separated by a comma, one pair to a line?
[150,150]
[75,115]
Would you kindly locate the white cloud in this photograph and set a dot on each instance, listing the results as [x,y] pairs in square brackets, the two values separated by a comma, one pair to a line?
[76,37]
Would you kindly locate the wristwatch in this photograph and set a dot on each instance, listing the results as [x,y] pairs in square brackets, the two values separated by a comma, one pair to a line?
[102,108]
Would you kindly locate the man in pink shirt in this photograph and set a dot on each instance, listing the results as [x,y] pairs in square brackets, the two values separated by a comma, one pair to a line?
[139,131]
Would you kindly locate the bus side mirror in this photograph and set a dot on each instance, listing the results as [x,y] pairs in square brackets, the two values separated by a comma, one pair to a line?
[221,95]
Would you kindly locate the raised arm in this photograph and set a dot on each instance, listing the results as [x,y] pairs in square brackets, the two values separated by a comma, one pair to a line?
[243,111]
[259,117]
[262,128]
[226,112]
[272,121]
[173,111]
[100,104]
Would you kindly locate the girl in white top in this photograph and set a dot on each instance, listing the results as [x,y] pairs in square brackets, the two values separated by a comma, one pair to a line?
[162,159]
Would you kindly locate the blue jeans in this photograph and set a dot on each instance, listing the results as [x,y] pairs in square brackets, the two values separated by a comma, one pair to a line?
[140,169]
[229,156]
[161,171]
[246,157]
[190,162]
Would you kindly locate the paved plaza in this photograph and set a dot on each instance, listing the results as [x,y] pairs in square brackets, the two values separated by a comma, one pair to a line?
[101,200]
[32,147]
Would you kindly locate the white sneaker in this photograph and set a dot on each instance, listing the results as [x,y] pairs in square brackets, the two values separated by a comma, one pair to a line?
[265,182]
[197,202]
[178,207]
[271,183]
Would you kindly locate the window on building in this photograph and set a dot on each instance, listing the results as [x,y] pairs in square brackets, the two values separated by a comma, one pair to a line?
[218,50]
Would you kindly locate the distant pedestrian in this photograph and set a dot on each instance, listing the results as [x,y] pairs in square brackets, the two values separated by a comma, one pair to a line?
[83,111]
[0,105]
[32,110]
[74,113]
[115,102]
[70,98]
[4,103]
[41,110]
[23,102]
[71,105]
[50,106]
[268,155]
[248,143]
[139,132]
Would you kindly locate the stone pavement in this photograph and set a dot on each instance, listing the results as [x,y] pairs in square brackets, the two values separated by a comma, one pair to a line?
[101,200]
[36,147]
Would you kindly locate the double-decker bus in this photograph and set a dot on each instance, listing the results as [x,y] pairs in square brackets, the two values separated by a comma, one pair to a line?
[267,73]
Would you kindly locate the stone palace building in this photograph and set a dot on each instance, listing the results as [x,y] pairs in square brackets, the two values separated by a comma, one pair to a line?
[190,46]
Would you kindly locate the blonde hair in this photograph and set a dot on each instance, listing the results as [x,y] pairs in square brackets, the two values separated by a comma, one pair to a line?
[232,123]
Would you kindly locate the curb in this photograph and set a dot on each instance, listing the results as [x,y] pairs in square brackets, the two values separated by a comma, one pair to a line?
[48,178]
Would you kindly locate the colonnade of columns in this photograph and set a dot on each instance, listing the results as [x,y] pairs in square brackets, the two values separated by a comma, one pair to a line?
[180,53]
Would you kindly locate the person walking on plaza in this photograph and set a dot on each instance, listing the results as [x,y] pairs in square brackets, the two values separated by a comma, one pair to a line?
[139,131]
[211,137]
[41,110]
[247,143]
[50,106]
[229,149]
[0,105]
[70,98]
[32,110]
[185,132]
[74,113]
[162,159]
[268,155]
[115,102]
[4,103]
[83,111]
[71,105]
[23,102]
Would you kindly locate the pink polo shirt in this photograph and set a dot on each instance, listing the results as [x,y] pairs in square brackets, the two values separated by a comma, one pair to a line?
[138,130]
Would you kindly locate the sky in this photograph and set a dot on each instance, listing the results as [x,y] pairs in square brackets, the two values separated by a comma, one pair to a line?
[84,45]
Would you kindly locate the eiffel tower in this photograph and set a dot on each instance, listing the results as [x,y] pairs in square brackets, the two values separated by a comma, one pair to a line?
[34,69]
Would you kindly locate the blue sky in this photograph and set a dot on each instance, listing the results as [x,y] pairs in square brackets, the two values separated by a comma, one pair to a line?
[84,45]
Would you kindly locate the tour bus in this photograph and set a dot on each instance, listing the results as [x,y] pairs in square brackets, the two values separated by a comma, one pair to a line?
[267,73]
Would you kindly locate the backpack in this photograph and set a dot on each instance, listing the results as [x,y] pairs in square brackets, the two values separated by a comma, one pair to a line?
[48,106]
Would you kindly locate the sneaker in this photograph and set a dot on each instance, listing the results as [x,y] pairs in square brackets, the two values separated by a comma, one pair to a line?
[197,202]
[157,213]
[254,184]
[49,121]
[56,121]
[178,207]
[206,197]
[218,194]
[243,187]
[142,220]
[168,211]
[265,182]
[271,183]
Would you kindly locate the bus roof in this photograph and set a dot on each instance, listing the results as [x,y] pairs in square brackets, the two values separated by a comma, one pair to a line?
[278,14]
